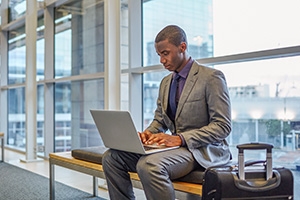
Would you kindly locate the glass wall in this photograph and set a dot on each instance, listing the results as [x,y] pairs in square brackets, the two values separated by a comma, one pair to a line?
[242,40]
[231,27]
[195,17]
[271,93]
[79,50]
[16,118]
[252,25]
[16,78]
[79,38]
[16,96]
[16,56]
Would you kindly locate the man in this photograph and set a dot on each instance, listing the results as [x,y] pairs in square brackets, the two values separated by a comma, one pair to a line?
[199,124]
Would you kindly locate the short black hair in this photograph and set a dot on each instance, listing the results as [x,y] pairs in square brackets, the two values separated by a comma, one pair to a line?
[174,34]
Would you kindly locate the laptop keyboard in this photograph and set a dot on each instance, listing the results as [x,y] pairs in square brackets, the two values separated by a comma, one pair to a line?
[147,148]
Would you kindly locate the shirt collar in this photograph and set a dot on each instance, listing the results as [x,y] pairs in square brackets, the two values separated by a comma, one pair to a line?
[185,71]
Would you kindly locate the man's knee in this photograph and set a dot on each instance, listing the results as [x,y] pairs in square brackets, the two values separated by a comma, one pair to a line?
[107,158]
[147,167]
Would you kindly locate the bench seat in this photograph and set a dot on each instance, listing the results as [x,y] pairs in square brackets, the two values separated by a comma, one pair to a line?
[94,155]
[88,161]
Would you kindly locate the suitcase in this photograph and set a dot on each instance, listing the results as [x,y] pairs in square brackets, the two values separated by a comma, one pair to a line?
[248,180]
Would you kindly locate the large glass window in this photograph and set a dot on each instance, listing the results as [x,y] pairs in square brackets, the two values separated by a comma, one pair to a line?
[74,126]
[195,17]
[79,38]
[40,50]
[16,56]
[16,96]
[16,118]
[79,50]
[253,25]
[40,140]
[17,77]
[265,95]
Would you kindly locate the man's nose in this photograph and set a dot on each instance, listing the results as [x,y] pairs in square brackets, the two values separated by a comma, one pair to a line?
[162,60]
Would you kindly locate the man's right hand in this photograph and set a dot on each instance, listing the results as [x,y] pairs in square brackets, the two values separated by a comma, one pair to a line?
[144,136]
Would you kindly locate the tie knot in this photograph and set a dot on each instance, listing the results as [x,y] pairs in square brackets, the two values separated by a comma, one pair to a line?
[177,77]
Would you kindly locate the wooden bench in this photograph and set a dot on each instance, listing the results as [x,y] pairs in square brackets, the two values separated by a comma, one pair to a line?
[183,190]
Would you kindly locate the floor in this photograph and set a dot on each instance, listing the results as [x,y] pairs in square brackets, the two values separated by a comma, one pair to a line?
[69,177]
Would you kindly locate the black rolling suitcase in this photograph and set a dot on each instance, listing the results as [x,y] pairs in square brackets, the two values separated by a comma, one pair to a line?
[247,181]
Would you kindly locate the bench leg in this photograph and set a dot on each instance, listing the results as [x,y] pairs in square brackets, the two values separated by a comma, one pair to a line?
[52,180]
[95,186]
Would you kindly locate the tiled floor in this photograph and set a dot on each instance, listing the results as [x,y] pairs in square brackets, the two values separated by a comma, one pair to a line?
[69,177]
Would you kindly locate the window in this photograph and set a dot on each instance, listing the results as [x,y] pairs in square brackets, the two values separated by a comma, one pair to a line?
[79,38]
[73,123]
[17,9]
[242,39]
[79,51]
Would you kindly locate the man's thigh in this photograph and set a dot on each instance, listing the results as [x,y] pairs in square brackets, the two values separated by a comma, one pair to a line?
[177,162]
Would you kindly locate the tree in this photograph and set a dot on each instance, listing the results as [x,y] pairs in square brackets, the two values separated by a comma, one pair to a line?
[274,127]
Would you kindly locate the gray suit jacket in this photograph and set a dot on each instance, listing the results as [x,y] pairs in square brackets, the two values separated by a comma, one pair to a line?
[203,115]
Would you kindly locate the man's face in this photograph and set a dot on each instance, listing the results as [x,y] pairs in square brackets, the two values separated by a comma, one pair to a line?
[171,56]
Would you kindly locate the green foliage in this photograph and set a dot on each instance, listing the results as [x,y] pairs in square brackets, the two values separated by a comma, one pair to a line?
[274,127]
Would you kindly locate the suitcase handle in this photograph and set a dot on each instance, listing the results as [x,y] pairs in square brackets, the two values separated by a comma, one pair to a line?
[255,146]
[258,186]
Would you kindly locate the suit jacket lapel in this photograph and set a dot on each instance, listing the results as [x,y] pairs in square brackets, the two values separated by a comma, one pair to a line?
[187,89]
[166,93]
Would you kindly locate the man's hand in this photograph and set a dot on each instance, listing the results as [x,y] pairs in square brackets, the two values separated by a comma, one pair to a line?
[160,139]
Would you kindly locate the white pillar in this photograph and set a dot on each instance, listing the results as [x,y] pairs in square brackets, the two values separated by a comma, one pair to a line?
[49,136]
[30,83]
[112,54]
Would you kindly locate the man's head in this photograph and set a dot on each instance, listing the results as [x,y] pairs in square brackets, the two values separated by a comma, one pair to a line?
[171,46]
[174,34]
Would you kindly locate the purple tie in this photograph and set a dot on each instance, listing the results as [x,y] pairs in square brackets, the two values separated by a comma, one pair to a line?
[172,95]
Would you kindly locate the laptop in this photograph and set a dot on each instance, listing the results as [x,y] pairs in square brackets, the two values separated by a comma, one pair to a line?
[117,131]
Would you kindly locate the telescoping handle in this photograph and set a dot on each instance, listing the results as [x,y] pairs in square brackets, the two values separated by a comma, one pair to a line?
[255,146]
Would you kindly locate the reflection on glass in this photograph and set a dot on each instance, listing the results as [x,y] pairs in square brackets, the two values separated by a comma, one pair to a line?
[79,38]
[16,118]
[40,118]
[194,17]
[264,93]
[74,126]
[16,56]
[17,9]
[40,50]
[79,50]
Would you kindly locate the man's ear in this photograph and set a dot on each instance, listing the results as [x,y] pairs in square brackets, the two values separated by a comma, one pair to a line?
[182,47]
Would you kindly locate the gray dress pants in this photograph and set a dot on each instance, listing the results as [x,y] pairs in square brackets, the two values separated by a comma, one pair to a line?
[155,171]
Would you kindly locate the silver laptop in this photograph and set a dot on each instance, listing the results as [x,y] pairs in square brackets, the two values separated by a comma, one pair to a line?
[117,131]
